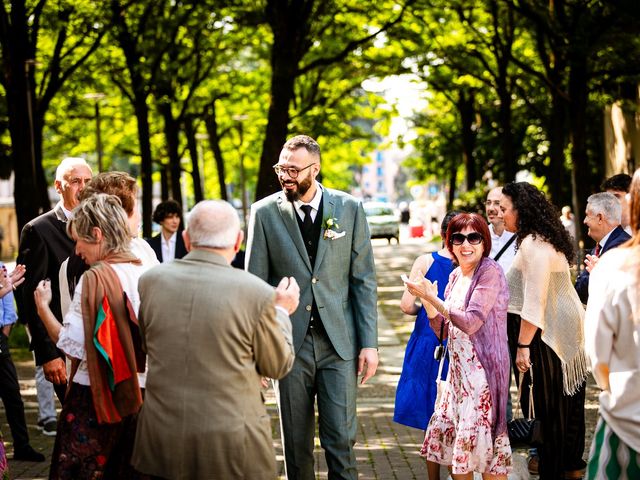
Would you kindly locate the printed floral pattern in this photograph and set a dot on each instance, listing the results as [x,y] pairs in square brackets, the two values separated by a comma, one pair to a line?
[459,432]
[4,468]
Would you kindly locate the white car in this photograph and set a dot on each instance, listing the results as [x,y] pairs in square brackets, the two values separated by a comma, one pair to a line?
[383,220]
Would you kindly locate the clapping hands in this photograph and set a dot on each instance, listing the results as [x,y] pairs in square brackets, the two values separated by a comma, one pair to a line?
[422,287]
[9,281]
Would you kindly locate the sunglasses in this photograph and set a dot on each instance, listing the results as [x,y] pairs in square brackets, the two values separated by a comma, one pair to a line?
[474,238]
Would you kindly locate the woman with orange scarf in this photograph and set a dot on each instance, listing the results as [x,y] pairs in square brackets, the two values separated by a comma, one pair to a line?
[100,335]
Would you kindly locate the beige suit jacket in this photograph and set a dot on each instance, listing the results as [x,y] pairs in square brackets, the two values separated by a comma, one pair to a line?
[210,332]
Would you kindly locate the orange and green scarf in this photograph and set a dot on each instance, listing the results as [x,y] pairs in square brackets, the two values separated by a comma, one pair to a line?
[112,341]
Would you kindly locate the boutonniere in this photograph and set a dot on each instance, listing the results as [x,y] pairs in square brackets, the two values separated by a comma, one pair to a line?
[331,228]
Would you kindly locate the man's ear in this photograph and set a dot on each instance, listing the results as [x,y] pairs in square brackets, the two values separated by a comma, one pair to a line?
[187,240]
[239,240]
[58,186]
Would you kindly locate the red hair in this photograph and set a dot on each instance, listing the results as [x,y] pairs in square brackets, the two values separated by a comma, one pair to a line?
[476,223]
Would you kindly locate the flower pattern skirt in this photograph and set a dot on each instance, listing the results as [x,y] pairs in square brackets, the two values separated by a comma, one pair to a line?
[459,432]
[86,449]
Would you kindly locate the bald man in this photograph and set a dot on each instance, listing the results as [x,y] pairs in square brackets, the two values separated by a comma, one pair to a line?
[210,332]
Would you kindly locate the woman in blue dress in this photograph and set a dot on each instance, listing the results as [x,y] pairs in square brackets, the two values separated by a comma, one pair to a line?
[416,391]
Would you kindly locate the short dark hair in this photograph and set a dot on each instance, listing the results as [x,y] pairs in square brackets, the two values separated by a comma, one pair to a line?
[166,208]
[473,221]
[303,141]
[620,183]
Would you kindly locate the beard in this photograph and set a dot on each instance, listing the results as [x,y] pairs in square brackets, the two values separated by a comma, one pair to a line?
[302,188]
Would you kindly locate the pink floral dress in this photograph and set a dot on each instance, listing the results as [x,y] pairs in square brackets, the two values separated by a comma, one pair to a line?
[4,468]
[459,432]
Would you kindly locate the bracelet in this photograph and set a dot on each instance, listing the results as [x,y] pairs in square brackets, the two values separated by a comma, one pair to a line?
[520,345]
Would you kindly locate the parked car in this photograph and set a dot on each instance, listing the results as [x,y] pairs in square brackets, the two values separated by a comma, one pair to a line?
[384,221]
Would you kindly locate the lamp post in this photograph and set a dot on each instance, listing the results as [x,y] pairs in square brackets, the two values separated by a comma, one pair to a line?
[96,97]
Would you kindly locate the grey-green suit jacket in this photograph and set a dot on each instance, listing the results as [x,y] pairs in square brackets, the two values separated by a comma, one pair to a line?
[343,280]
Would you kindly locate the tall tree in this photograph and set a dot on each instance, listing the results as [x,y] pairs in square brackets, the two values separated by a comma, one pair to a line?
[328,32]
[54,40]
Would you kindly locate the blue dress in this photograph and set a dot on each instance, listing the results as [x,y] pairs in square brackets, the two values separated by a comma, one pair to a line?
[416,391]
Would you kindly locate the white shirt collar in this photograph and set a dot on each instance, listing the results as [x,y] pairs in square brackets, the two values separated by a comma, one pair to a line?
[315,203]
[67,213]
[603,240]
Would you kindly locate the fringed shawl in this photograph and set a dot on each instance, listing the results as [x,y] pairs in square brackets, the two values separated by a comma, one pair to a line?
[542,293]
[112,341]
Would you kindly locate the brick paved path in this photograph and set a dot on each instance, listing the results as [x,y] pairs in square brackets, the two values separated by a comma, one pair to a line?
[385,450]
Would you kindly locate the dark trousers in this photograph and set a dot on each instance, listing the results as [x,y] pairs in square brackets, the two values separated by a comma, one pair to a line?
[319,373]
[10,393]
[562,416]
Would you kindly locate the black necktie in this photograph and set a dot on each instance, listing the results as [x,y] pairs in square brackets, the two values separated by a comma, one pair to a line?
[307,222]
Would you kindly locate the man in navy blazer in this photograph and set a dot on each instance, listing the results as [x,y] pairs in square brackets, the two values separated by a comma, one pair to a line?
[169,244]
[603,214]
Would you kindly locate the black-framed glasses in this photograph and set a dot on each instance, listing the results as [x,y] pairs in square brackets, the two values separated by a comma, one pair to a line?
[291,171]
[474,238]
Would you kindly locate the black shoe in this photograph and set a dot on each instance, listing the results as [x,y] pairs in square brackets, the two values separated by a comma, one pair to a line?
[28,454]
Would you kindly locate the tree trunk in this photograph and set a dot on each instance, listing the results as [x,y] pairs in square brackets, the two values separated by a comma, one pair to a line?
[211,124]
[468,133]
[192,145]
[30,189]
[146,161]
[557,176]
[171,131]
[282,92]
[506,134]
[290,26]
[164,181]
[578,94]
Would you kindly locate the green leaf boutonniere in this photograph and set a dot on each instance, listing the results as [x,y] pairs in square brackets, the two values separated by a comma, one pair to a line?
[331,228]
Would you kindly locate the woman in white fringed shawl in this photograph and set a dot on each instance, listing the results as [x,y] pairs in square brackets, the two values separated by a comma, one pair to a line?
[547,340]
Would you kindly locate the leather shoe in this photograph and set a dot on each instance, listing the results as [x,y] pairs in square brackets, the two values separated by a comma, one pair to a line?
[532,464]
[28,454]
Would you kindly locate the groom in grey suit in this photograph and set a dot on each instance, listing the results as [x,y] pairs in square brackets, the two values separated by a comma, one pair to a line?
[320,237]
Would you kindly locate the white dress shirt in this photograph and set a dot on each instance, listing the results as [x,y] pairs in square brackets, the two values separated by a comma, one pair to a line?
[168,247]
[315,204]
[499,241]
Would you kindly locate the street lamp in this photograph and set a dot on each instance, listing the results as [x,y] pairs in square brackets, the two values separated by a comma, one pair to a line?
[96,97]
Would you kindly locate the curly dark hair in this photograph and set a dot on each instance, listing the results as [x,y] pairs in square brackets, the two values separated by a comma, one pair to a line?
[537,216]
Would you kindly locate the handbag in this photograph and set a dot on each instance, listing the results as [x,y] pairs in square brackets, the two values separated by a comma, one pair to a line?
[441,354]
[525,432]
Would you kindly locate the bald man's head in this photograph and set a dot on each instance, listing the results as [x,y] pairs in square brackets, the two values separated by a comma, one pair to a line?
[213,224]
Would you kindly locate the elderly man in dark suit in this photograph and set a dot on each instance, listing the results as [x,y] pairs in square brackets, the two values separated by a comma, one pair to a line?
[319,236]
[44,245]
[603,214]
[210,331]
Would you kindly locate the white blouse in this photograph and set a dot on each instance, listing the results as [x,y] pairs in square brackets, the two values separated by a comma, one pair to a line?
[612,335]
[71,338]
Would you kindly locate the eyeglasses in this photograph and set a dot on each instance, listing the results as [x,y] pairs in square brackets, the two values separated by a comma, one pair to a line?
[474,238]
[291,171]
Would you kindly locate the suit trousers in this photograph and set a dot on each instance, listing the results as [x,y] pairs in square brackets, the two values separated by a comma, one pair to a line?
[10,393]
[319,372]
